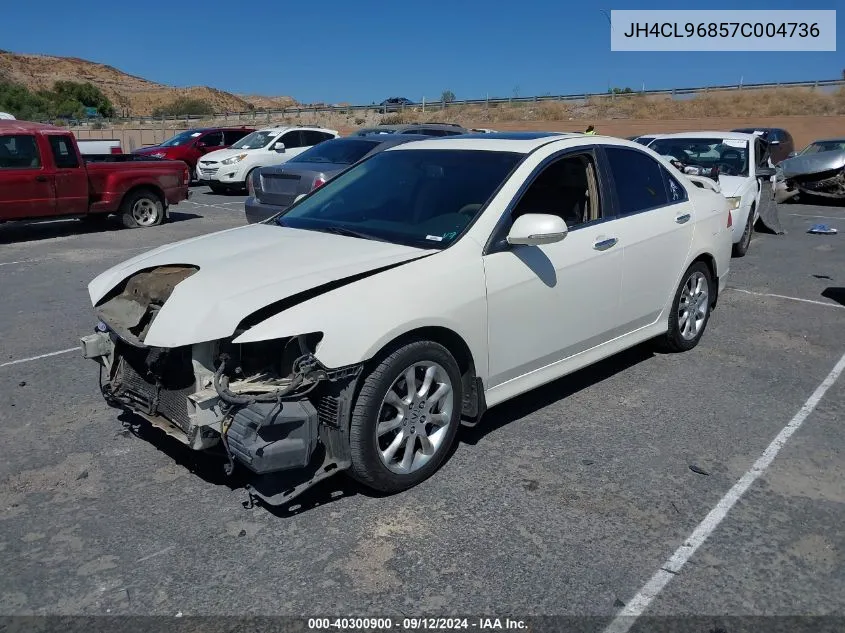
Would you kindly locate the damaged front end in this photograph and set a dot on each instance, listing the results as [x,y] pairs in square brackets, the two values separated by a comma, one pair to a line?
[271,407]
[821,174]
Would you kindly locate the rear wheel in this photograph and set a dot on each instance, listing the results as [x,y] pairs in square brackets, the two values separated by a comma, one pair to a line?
[406,417]
[142,208]
[741,247]
[690,310]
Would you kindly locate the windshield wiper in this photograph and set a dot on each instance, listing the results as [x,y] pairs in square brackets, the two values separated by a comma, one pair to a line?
[339,230]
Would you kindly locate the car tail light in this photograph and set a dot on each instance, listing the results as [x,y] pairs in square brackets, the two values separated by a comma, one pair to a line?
[116,150]
[319,181]
[730,219]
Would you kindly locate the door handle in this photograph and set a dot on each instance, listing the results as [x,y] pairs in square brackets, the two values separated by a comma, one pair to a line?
[41,178]
[603,245]
[683,219]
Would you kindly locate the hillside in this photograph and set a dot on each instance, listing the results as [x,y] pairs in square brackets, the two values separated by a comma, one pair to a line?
[131,95]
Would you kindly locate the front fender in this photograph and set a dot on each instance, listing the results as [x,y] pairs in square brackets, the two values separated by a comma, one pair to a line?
[358,320]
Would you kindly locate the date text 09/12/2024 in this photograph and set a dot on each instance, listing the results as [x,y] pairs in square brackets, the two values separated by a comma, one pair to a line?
[416,624]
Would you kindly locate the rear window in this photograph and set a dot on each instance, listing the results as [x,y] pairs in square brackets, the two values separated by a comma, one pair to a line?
[63,152]
[19,151]
[342,152]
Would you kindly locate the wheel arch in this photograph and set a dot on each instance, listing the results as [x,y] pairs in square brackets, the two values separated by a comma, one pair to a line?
[710,262]
[474,403]
[145,187]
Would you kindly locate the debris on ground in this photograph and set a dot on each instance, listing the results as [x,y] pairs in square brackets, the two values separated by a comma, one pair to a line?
[822,229]
[699,470]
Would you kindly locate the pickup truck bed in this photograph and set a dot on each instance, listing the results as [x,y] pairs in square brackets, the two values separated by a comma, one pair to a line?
[44,176]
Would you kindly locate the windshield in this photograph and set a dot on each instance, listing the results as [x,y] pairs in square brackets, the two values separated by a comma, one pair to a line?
[824,146]
[698,156]
[340,151]
[422,198]
[181,139]
[256,140]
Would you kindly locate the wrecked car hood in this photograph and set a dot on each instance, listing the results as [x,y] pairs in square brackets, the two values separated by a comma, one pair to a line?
[242,270]
[812,163]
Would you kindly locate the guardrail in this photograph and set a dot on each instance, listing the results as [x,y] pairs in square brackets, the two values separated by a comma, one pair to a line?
[675,93]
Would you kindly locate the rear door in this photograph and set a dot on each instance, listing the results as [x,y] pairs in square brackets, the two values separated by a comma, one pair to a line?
[654,229]
[71,179]
[26,184]
[293,144]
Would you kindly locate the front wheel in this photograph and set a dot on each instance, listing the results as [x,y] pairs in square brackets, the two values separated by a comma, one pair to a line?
[690,310]
[406,417]
[741,247]
[142,209]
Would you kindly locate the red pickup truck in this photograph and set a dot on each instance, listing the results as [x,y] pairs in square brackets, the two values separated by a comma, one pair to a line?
[44,176]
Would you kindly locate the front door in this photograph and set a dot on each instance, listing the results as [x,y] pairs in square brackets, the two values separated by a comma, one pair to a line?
[547,303]
[26,186]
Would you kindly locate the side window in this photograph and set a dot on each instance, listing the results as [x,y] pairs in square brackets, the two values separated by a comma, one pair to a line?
[776,135]
[233,136]
[63,152]
[291,139]
[19,151]
[638,180]
[676,191]
[213,139]
[313,137]
[761,152]
[567,188]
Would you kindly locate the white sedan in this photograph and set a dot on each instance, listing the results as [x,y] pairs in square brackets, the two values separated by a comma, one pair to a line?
[360,327]
[735,160]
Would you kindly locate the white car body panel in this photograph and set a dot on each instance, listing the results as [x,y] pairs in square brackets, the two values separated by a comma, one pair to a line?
[745,187]
[228,262]
[98,146]
[236,173]
[511,308]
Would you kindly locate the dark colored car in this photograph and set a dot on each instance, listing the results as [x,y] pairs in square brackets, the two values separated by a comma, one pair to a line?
[426,129]
[274,189]
[779,141]
[394,104]
[191,145]
[642,140]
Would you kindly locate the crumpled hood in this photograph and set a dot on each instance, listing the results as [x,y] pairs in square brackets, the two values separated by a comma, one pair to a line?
[244,269]
[812,163]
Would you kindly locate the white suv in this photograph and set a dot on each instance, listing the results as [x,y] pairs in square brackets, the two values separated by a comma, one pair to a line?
[230,168]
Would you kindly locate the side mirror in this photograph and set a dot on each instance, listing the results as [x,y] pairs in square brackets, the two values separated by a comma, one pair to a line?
[200,145]
[765,172]
[279,147]
[534,229]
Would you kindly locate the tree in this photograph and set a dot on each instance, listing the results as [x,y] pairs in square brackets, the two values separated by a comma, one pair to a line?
[448,96]
[184,106]
[85,94]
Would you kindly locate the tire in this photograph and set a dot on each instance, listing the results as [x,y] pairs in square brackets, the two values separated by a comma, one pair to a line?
[679,338]
[217,189]
[142,208]
[741,248]
[410,420]
[248,176]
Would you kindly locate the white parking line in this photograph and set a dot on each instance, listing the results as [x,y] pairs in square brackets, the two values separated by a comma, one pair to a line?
[626,618]
[827,304]
[826,217]
[26,360]
[21,261]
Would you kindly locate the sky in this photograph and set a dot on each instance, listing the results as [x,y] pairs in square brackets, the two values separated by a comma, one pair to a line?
[363,51]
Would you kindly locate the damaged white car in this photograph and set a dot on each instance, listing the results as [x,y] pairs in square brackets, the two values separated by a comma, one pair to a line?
[737,162]
[358,329]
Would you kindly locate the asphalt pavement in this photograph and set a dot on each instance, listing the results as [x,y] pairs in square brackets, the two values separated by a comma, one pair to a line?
[564,501]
